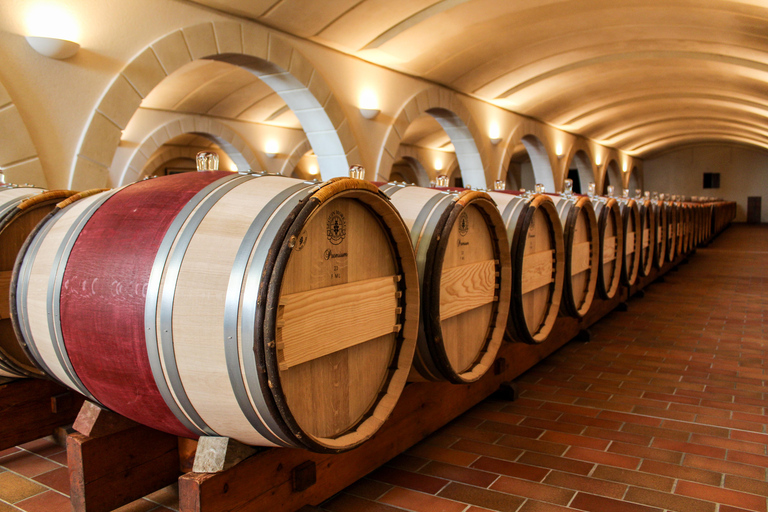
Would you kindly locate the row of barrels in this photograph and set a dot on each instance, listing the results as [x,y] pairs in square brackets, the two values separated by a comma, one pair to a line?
[281,312]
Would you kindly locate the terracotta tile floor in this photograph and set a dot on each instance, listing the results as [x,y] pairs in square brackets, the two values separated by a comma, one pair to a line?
[662,410]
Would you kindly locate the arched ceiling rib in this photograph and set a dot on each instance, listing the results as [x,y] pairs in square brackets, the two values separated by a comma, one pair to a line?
[218,89]
[605,69]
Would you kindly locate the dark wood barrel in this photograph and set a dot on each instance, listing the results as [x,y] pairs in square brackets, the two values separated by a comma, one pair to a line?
[536,246]
[465,271]
[671,230]
[582,252]
[660,250]
[610,232]
[215,303]
[648,228]
[632,228]
[21,209]
[688,224]
[682,228]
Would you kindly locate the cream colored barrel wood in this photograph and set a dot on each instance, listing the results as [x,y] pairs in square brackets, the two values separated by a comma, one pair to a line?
[632,241]
[37,304]
[543,261]
[14,233]
[660,252]
[344,322]
[337,319]
[474,280]
[612,246]
[648,237]
[582,244]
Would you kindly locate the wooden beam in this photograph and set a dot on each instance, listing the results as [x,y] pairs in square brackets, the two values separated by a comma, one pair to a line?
[33,408]
[121,461]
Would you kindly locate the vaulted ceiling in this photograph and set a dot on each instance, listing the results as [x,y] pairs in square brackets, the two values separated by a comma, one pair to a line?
[640,75]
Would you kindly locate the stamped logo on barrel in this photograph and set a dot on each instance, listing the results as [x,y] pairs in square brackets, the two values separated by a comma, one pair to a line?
[336,228]
[463,224]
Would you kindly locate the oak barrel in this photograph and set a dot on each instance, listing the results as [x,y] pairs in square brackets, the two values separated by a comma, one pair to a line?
[660,251]
[582,252]
[21,209]
[671,230]
[648,236]
[270,310]
[632,232]
[611,234]
[536,246]
[464,267]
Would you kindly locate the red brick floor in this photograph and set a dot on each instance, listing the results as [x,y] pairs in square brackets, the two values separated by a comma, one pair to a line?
[662,411]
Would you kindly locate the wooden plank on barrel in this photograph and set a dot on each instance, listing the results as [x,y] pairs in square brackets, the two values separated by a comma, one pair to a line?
[467,287]
[630,242]
[537,270]
[609,249]
[646,237]
[319,322]
[580,257]
[5,285]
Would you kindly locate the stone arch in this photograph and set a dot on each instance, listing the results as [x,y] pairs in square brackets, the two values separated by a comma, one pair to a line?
[454,118]
[409,155]
[612,177]
[534,139]
[542,167]
[292,161]
[19,160]
[579,155]
[252,47]
[414,171]
[227,139]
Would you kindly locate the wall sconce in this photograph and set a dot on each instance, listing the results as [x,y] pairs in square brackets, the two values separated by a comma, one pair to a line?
[52,47]
[559,150]
[438,164]
[55,30]
[494,133]
[626,167]
[313,170]
[271,148]
[369,104]
[598,160]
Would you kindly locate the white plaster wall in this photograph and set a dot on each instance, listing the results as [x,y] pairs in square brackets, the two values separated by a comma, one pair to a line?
[743,173]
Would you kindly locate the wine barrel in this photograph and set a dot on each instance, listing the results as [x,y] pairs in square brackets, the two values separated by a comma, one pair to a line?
[671,229]
[536,247]
[610,232]
[632,231]
[687,214]
[267,309]
[465,273]
[21,209]
[582,252]
[660,251]
[682,229]
[648,230]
